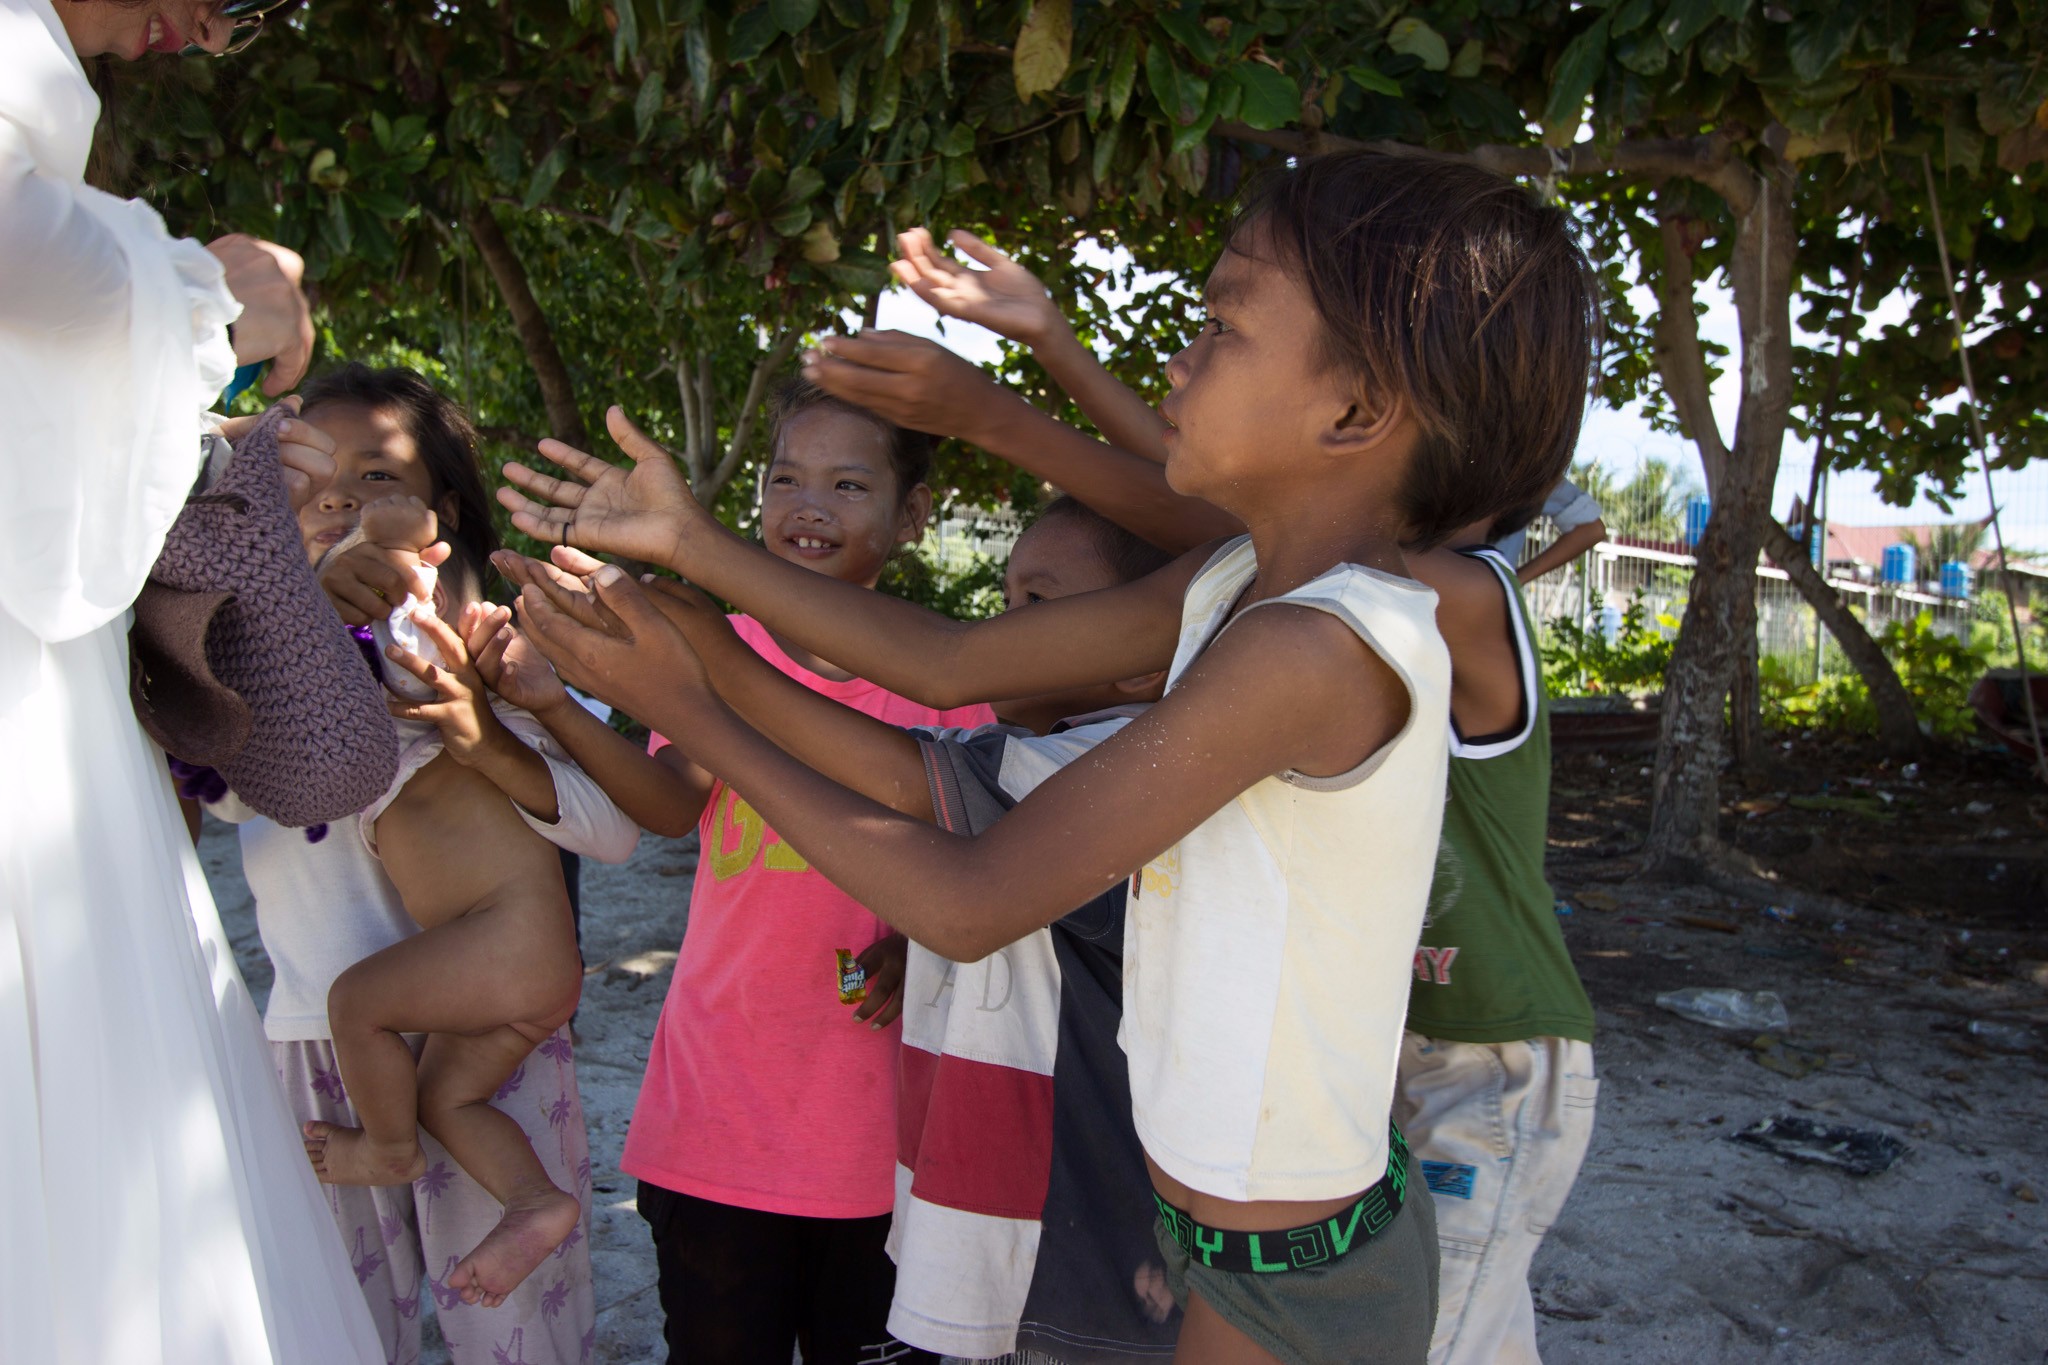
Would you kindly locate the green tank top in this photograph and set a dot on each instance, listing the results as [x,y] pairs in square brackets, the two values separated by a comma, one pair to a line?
[1492,965]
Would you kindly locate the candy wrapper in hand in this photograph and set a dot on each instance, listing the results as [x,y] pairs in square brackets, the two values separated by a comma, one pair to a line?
[400,629]
[853,978]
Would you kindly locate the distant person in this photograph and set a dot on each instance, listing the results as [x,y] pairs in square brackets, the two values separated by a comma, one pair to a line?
[1578,519]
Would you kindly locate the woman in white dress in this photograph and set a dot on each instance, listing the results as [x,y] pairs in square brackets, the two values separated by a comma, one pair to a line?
[155,1203]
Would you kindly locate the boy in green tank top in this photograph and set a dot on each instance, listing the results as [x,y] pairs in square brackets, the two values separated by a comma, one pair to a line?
[1496,1087]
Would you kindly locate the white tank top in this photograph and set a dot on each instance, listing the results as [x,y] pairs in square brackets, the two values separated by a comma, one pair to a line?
[1270,951]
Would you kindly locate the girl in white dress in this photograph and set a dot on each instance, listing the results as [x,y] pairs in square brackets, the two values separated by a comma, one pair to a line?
[156,1206]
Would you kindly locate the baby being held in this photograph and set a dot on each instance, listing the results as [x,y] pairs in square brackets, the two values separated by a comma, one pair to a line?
[496,970]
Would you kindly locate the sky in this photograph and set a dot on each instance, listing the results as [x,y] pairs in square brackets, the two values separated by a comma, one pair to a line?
[1622,439]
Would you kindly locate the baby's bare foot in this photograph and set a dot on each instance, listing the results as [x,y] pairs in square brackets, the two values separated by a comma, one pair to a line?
[535,1223]
[346,1156]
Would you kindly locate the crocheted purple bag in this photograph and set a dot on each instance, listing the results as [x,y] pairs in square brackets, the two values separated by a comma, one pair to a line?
[239,662]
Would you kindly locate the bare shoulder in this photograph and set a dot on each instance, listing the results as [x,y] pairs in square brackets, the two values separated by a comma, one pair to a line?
[1322,687]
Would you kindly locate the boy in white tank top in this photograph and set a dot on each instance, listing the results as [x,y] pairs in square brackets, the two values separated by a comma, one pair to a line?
[1397,347]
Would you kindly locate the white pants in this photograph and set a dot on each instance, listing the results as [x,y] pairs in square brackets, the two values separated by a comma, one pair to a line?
[1498,1130]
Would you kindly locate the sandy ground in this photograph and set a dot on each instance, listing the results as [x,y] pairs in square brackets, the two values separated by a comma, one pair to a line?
[1678,1245]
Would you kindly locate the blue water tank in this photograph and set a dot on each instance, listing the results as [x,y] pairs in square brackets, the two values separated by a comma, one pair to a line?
[1898,567]
[1696,512]
[1955,580]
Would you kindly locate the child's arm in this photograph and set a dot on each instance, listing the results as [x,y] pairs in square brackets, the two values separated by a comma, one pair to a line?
[471,732]
[921,385]
[1008,299]
[1283,688]
[879,760]
[649,513]
[662,792]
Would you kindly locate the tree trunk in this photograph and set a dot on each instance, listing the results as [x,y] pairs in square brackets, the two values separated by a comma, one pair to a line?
[1898,725]
[1720,616]
[557,390]
[1746,691]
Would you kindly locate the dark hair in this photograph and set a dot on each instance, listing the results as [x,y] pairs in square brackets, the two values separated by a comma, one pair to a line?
[1457,292]
[1518,518]
[910,452]
[442,432]
[1127,557]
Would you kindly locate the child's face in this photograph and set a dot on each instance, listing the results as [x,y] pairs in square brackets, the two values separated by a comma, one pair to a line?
[829,499]
[1059,558]
[374,458]
[1250,394]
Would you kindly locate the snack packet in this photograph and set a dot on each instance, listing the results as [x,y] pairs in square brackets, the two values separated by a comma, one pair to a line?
[853,978]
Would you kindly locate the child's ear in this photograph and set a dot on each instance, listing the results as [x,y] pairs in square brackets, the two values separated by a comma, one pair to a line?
[1362,427]
[449,510]
[917,510]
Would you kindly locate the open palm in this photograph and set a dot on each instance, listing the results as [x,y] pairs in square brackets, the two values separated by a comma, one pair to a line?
[643,509]
[1004,298]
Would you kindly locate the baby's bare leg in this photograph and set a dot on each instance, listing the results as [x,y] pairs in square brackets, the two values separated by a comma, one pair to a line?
[458,1077]
[464,977]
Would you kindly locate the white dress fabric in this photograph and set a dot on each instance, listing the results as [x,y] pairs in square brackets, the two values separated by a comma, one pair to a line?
[156,1205]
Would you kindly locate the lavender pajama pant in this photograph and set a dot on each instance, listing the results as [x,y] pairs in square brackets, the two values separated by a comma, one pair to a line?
[398,1235]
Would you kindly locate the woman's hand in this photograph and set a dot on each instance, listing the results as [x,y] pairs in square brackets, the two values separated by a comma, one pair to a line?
[461,709]
[611,641]
[912,382]
[276,324]
[374,571]
[644,510]
[883,961]
[1005,298]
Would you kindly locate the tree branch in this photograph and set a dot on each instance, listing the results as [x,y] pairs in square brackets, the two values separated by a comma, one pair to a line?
[1680,358]
[693,450]
[743,421]
[557,390]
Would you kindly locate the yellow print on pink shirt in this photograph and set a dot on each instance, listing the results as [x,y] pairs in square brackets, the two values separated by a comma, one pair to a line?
[737,819]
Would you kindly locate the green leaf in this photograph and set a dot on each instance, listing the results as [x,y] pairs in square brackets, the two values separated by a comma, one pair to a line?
[803,183]
[793,16]
[821,83]
[1105,149]
[1466,64]
[1045,48]
[959,140]
[1631,15]
[791,221]
[1818,41]
[752,32]
[888,93]
[647,104]
[626,41]
[1186,30]
[547,173]
[899,19]
[1962,142]
[1271,99]
[697,52]
[380,129]
[1685,21]
[1412,37]
[1643,53]
[1365,78]
[849,95]
[1164,78]
[1123,74]
[1573,80]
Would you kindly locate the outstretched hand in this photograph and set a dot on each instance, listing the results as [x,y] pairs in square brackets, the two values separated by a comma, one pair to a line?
[643,509]
[609,639]
[1005,297]
[461,708]
[912,382]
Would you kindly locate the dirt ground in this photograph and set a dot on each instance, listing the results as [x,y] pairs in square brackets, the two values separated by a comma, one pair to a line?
[1911,907]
